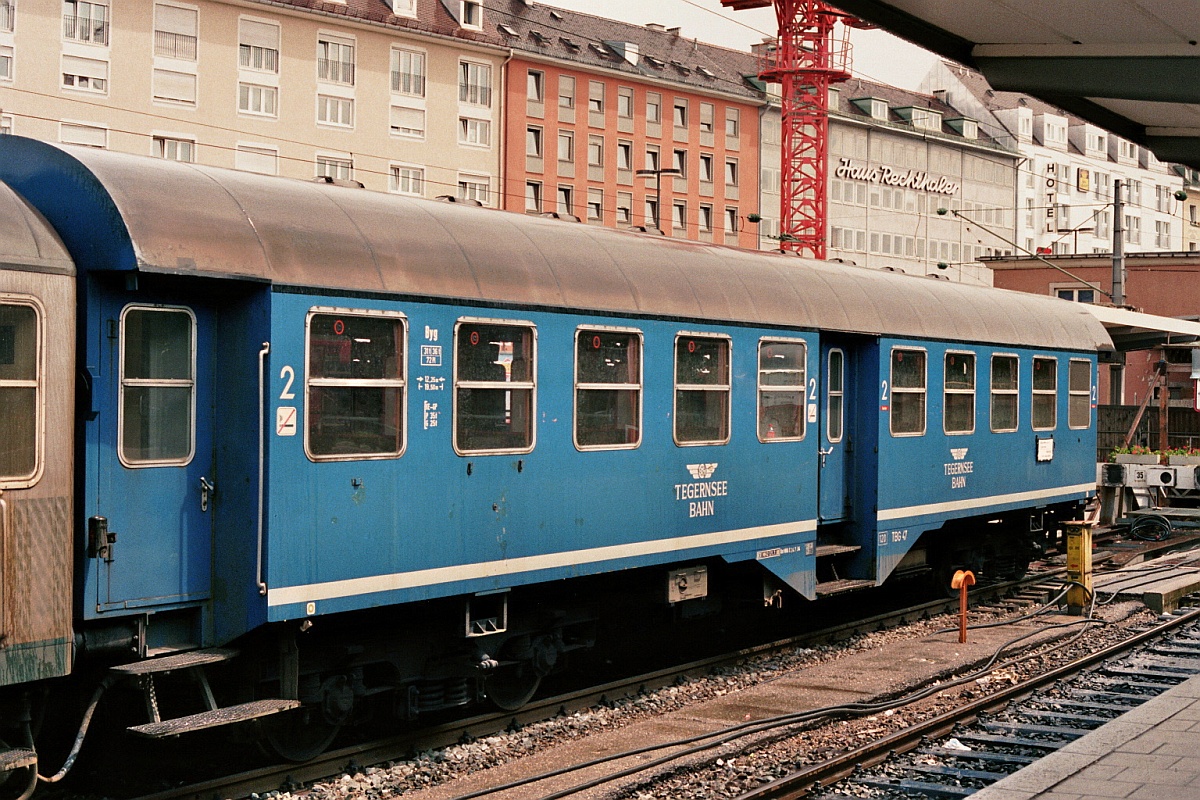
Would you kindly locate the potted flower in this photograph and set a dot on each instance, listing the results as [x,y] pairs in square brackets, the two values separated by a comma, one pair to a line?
[1183,456]
[1135,454]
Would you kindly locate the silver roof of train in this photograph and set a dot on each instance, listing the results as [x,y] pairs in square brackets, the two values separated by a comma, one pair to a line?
[118,211]
[26,240]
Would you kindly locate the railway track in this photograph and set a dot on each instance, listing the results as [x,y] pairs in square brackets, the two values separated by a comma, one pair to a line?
[359,756]
[959,752]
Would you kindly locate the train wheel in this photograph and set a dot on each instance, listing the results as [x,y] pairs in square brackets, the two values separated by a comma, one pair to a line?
[511,687]
[297,736]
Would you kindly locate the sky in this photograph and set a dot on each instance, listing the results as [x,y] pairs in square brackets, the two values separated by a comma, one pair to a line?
[877,55]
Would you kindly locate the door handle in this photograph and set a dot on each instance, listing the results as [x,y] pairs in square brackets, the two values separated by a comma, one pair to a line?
[207,490]
[822,453]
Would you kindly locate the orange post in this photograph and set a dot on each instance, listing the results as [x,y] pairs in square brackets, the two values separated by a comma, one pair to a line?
[962,579]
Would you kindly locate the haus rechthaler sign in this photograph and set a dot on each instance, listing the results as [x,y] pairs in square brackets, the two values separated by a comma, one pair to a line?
[890,176]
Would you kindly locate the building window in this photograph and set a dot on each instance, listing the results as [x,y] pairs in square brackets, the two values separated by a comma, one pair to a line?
[6,124]
[706,167]
[533,197]
[958,398]
[679,162]
[1076,295]
[21,411]
[624,208]
[495,382]
[474,131]
[85,22]
[702,374]
[475,83]
[652,212]
[335,61]
[85,135]
[1079,393]
[731,172]
[6,63]
[595,151]
[624,102]
[731,220]
[85,74]
[255,99]
[474,187]
[1045,393]
[1162,234]
[625,155]
[908,392]
[781,381]
[733,123]
[1004,394]
[407,180]
[653,108]
[174,87]
[406,121]
[339,169]
[566,200]
[595,97]
[263,160]
[175,32]
[566,91]
[258,45]
[335,110]
[652,157]
[355,387]
[608,389]
[472,14]
[679,215]
[707,115]
[408,72]
[8,13]
[680,113]
[566,146]
[406,8]
[595,206]
[175,149]
[157,385]
[535,86]
[706,218]
[533,141]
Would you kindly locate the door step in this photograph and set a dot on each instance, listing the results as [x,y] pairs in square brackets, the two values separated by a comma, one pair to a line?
[16,758]
[824,550]
[838,587]
[214,718]
[164,664]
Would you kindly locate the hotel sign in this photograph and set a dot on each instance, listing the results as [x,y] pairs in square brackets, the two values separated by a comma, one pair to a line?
[890,176]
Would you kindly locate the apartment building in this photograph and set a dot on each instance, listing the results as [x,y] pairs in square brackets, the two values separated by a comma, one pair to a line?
[598,109]
[401,96]
[1065,181]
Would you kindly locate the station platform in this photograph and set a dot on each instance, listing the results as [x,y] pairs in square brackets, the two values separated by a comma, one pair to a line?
[1160,584]
[1151,753]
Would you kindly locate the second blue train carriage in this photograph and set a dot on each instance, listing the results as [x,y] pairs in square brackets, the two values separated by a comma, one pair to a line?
[305,402]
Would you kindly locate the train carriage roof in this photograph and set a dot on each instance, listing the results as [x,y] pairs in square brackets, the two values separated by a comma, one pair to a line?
[26,240]
[123,212]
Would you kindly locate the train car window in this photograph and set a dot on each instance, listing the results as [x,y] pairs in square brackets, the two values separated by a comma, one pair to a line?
[701,389]
[355,390]
[958,393]
[20,393]
[908,392]
[1045,393]
[835,391]
[1004,394]
[1079,393]
[781,384]
[494,387]
[158,386]
[608,389]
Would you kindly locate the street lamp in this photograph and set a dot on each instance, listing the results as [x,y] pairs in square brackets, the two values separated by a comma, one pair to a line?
[658,173]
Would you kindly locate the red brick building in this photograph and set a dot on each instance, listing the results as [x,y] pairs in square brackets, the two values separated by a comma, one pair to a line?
[589,102]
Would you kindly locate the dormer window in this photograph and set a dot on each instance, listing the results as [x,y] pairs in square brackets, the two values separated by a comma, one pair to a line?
[540,37]
[924,119]
[876,108]
[472,14]
[705,72]
[570,44]
[507,31]
[966,128]
[654,62]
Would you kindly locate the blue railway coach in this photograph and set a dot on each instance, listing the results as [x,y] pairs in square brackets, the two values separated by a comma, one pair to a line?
[384,445]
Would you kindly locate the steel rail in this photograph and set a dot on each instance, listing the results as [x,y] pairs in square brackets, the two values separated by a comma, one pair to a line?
[802,782]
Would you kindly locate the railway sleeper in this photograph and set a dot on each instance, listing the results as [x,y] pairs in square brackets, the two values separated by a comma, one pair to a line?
[1083,705]
[1045,730]
[1080,719]
[957,773]
[1128,679]
[1137,699]
[923,788]
[1187,666]
[979,755]
[1176,677]
[995,740]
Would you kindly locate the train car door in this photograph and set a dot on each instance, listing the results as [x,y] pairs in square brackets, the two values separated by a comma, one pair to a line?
[835,467]
[156,486]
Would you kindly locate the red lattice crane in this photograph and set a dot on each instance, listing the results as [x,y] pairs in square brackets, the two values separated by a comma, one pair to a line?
[806,60]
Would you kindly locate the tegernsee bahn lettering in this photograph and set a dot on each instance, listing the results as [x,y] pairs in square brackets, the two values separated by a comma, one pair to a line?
[697,492]
[889,176]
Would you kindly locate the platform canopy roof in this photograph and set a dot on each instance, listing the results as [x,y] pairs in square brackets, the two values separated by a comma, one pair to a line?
[1131,66]
[1133,330]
